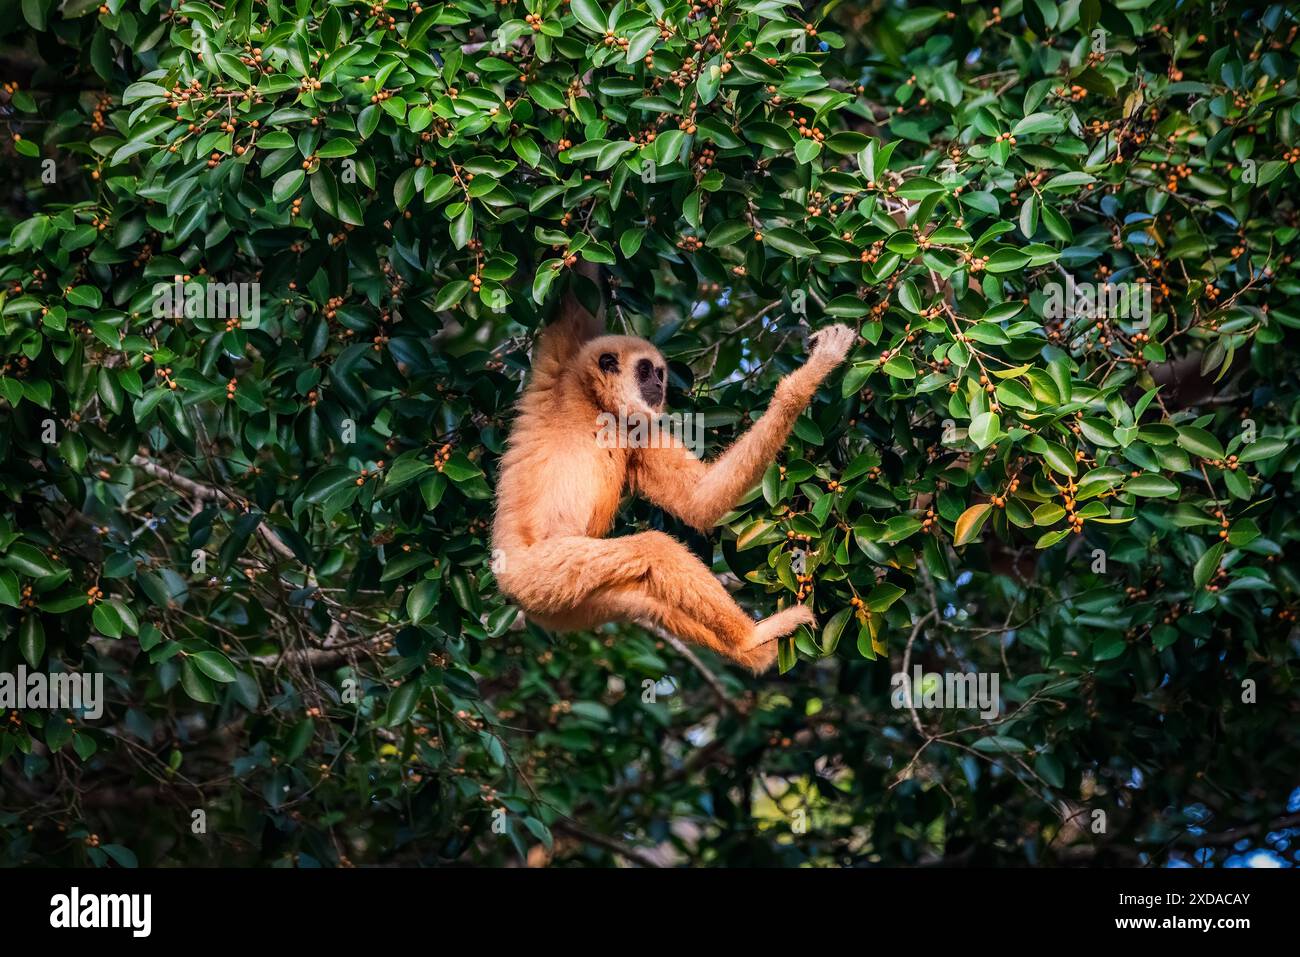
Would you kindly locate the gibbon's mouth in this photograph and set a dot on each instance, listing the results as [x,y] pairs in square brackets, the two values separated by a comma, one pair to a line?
[652,394]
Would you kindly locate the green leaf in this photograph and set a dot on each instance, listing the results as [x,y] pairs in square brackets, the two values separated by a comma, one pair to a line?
[215,665]
[1150,485]
[327,482]
[31,639]
[833,629]
[401,705]
[28,560]
[909,298]
[883,596]
[1207,565]
[233,68]
[403,471]
[421,600]
[1050,769]
[10,592]
[985,429]
[85,296]
[339,146]
[462,228]
[1262,449]
[1199,442]
[900,367]
[325,191]
[589,15]
[107,621]
[1059,458]
[288,185]
[196,684]
[788,241]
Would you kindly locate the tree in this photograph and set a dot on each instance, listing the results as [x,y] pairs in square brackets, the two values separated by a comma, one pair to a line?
[270,278]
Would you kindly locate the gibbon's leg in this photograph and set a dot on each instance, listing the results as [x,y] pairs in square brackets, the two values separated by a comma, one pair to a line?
[636,603]
[553,577]
[577,583]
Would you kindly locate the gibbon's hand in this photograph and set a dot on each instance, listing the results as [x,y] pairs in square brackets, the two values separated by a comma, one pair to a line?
[831,345]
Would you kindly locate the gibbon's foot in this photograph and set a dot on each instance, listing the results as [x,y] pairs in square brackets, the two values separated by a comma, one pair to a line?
[759,653]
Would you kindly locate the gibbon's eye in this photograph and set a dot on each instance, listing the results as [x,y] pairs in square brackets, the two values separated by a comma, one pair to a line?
[659,373]
[608,362]
[643,369]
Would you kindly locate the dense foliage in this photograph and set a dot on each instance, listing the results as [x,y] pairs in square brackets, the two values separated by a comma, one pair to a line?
[269,529]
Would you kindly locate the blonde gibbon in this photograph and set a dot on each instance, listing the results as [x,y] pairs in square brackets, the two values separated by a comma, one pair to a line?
[560,486]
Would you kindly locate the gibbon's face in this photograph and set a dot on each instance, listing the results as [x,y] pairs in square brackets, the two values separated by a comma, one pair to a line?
[624,372]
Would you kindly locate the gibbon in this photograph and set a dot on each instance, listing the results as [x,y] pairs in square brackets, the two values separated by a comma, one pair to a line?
[560,486]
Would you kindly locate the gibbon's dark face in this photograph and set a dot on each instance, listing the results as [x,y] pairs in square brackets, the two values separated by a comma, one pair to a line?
[650,380]
[625,373]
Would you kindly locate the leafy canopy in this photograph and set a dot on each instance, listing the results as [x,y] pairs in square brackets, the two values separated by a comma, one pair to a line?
[270,533]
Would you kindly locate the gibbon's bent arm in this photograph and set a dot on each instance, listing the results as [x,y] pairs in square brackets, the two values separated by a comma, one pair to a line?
[699,493]
[560,341]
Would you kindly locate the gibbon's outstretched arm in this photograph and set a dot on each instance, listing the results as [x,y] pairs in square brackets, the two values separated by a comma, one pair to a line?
[560,341]
[699,493]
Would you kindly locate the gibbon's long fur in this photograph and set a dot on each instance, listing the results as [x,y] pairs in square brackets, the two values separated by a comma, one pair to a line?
[559,489]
